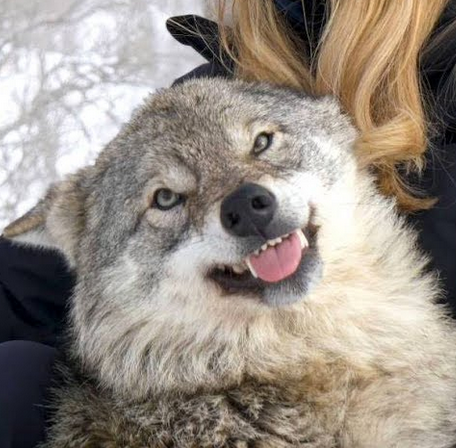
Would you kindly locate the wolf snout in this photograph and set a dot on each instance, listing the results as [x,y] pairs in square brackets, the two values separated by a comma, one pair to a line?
[248,210]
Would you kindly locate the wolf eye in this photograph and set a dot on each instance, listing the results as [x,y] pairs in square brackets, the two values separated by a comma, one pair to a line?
[262,142]
[166,199]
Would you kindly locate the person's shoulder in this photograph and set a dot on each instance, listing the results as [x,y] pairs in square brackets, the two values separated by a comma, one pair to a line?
[437,225]
[438,68]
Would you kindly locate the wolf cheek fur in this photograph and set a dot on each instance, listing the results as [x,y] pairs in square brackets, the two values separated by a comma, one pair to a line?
[176,343]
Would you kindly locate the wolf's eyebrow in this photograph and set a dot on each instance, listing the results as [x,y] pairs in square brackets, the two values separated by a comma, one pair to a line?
[180,177]
[259,125]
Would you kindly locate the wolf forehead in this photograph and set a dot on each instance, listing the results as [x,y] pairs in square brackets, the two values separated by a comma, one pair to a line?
[217,120]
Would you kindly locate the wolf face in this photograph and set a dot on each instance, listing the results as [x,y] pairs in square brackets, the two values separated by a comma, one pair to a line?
[203,232]
[213,202]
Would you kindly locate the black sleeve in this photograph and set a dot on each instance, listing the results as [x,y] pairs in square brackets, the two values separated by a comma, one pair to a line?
[26,374]
[437,226]
[202,35]
[35,286]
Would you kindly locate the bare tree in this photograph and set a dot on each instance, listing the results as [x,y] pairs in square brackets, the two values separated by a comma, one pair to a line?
[70,73]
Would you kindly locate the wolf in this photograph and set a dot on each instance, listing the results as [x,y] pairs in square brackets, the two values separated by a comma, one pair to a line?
[242,283]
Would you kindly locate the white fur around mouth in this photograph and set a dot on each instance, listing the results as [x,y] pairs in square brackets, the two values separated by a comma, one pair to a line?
[272,243]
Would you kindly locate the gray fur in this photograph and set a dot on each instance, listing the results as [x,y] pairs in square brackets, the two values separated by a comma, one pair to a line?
[352,352]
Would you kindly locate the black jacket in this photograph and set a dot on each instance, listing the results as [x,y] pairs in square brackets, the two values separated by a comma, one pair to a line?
[35,285]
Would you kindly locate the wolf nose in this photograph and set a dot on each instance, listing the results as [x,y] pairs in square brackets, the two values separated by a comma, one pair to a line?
[248,210]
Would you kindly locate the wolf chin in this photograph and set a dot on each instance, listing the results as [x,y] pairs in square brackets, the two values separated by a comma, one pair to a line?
[241,283]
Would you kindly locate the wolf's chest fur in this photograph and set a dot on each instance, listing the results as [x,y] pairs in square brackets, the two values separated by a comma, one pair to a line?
[331,406]
[308,413]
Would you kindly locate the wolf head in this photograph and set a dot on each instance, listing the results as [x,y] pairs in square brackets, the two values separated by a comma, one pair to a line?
[211,193]
[201,230]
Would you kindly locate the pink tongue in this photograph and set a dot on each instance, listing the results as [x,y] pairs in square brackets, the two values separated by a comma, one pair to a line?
[279,261]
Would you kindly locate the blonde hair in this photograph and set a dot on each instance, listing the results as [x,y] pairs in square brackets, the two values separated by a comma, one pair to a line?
[368,56]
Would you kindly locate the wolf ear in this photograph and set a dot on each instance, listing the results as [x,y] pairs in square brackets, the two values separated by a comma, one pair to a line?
[57,221]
